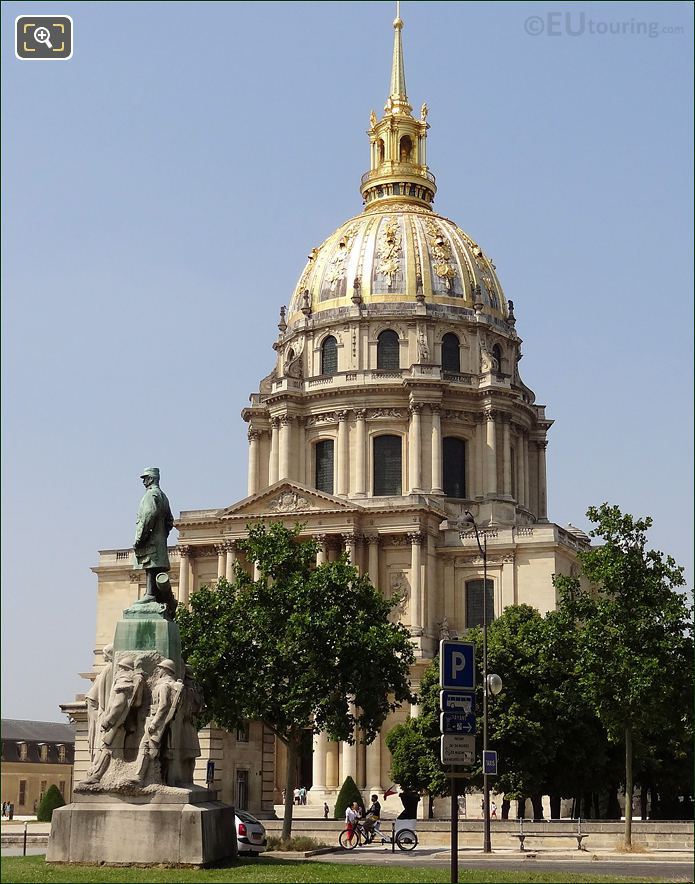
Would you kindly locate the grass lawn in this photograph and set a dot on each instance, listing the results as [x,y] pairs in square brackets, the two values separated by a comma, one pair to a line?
[33,870]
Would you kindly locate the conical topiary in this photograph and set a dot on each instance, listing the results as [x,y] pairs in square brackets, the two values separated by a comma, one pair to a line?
[348,793]
[49,802]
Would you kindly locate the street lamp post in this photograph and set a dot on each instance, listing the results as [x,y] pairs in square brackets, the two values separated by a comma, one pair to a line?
[487,847]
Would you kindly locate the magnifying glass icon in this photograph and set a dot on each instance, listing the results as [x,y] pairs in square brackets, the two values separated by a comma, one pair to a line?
[43,35]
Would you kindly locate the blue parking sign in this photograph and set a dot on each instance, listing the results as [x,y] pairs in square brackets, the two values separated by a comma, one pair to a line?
[457,665]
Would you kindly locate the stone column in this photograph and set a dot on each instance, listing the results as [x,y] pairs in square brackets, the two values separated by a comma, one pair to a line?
[256,571]
[436,449]
[285,446]
[374,765]
[343,454]
[431,586]
[350,541]
[415,447]
[527,488]
[506,458]
[542,485]
[319,761]
[321,554]
[519,490]
[231,558]
[349,757]
[254,446]
[274,451]
[332,765]
[301,450]
[360,488]
[221,559]
[480,456]
[373,565]
[184,574]
[491,454]
[415,583]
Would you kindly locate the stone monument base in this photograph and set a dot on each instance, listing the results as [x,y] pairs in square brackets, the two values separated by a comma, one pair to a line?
[179,827]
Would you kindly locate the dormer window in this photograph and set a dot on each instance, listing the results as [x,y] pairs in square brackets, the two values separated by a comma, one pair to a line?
[43,751]
[61,752]
[23,750]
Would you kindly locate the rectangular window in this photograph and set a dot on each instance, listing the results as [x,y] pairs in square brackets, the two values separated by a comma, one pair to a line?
[42,790]
[324,466]
[61,752]
[474,602]
[43,751]
[22,794]
[23,751]
[388,466]
[242,789]
[61,787]
[242,732]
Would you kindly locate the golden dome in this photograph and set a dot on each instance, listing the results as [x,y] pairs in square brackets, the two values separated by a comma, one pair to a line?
[397,252]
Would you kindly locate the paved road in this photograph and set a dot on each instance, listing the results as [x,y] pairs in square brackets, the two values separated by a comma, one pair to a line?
[671,869]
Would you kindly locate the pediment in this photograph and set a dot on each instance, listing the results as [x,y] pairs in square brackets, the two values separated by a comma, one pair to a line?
[288,498]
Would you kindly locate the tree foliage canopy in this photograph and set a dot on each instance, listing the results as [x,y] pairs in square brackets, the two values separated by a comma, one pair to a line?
[301,646]
[50,801]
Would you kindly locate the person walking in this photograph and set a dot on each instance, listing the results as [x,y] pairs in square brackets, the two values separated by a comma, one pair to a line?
[493,814]
[326,810]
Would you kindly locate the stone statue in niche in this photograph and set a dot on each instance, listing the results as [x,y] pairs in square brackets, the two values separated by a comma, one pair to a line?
[423,348]
[97,699]
[399,592]
[488,363]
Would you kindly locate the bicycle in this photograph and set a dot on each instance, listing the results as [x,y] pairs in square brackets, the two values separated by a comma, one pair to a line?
[404,839]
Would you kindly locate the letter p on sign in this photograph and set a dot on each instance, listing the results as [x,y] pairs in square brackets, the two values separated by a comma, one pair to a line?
[457,665]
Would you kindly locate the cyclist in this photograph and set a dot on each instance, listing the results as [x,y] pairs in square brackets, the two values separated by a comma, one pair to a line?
[372,824]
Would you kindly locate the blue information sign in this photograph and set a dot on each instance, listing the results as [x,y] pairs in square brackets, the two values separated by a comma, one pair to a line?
[456,723]
[457,701]
[490,762]
[457,665]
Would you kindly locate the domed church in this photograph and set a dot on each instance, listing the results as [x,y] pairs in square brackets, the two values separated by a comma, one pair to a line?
[394,404]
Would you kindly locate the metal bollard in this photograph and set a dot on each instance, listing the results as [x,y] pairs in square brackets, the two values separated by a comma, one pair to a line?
[24,853]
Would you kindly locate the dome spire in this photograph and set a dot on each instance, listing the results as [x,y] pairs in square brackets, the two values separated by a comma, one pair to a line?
[398,94]
[398,143]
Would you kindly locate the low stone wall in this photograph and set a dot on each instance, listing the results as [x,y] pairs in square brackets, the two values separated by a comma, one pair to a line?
[436,833]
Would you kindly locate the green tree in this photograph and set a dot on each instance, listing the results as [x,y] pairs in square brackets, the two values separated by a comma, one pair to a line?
[635,633]
[348,793]
[301,646]
[50,801]
[414,744]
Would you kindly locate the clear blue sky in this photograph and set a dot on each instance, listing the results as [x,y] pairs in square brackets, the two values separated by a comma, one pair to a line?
[163,188]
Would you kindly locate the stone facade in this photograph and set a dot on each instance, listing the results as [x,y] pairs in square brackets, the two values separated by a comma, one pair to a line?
[35,756]
[399,330]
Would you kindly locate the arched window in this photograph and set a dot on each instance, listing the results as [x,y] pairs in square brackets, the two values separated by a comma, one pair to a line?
[329,356]
[497,353]
[388,466]
[324,466]
[451,355]
[382,150]
[474,602]
[388,351]
[454,467]
[406,150]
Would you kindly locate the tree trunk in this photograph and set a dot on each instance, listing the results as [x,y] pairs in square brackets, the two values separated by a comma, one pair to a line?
[537,803]
[291,772]
[520,808]
[586,804]
[430,806]
[555,806]
[628,786]
[506,804]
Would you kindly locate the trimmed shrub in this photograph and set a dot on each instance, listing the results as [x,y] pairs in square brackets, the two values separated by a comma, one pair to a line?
[348,793]
[49,802]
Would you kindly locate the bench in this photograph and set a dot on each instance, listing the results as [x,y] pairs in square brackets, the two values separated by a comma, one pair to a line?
[579,835]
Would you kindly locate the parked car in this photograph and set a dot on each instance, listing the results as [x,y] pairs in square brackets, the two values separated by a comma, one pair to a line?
[250,834]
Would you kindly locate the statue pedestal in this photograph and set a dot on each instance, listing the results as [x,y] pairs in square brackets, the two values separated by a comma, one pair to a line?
[143,628]
[172,826]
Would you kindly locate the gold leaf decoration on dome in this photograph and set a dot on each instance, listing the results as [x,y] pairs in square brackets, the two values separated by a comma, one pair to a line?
[441,254]
[389,249]
[336,268]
